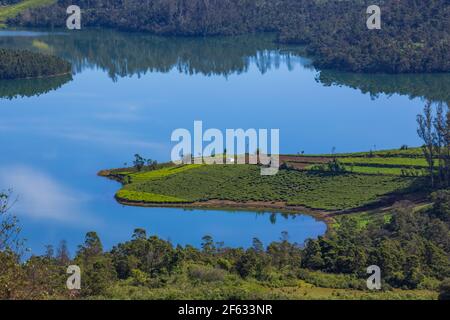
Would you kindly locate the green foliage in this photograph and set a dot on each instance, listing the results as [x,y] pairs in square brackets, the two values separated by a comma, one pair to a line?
[386,161]
[16,64]
[394,153]
[333,166]
[138,196]
[9,225]
[408,162]
[205,273]
[379,170]
[14,7]
[334,31]
[243,183]
[441,204]
[96,267]
[444,290]
[160,173]
[337,36]
[332,280]
[412,248]
[40,277]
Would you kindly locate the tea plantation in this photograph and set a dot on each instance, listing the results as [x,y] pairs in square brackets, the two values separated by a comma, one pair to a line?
[243,183]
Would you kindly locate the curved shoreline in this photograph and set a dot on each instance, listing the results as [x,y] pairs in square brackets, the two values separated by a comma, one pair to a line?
[383,204]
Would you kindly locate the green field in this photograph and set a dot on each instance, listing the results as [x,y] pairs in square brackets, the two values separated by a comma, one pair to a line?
[401,162]
[380,170]
[388,171]
[405,153]
[386,161]
[243,183]
[11,11]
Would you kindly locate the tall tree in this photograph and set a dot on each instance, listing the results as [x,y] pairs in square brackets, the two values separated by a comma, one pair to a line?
[92,246]
[62,253]
[427,134]
[9,225]
[440,131]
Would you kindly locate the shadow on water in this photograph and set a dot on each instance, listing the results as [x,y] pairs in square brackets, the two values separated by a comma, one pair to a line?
[432,87]
[10,89]
[272,216]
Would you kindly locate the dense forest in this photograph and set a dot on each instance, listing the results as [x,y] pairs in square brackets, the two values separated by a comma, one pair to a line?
[20,64]
[412,248]
[414,36]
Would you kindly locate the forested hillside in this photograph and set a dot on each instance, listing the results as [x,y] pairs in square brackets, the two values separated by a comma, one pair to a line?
[414,37]
[11,8]
[15,64]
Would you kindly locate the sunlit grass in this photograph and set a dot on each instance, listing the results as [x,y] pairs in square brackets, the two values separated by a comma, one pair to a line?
[146,197]
[8,12]
[156,174]
[42,46]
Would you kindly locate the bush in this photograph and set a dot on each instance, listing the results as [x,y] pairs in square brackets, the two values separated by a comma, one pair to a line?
[444,290]
[206,274]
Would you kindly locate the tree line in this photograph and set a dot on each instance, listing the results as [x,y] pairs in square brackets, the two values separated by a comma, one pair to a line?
[414,36]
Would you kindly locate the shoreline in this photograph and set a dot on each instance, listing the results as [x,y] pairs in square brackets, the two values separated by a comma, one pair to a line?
[274,207]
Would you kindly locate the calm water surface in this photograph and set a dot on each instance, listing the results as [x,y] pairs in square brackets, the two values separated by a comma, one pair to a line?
[130,91]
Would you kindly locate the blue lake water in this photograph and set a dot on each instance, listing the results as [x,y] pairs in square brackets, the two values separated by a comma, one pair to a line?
[130,91]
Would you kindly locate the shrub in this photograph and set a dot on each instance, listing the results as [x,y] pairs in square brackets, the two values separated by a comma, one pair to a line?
[205,274]
[444,290]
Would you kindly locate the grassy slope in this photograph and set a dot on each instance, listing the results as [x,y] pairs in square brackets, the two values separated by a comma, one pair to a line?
[249,289]
[241,183]
[11,11]
[369,177]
